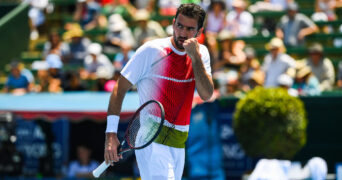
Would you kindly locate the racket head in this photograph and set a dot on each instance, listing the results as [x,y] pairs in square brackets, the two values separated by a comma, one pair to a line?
[145,125]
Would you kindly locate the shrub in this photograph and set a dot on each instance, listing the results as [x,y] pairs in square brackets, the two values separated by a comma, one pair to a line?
[269,123]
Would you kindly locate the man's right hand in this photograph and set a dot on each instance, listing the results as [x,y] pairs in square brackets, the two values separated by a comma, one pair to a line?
[111,145]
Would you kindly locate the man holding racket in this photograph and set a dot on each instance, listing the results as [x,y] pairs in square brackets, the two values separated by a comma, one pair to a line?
[167,70]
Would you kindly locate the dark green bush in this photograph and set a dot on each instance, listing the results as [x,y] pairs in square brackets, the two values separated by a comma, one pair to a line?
[269,123]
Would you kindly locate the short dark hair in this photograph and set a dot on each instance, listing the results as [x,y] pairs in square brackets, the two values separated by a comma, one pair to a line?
[193,11]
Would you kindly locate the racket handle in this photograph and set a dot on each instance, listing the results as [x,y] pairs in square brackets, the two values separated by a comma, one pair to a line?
[100,169]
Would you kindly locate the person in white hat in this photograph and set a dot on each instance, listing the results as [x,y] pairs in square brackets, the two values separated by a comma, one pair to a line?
[276,63]
[321,67]
[118,35]
[147,29]
[94,60]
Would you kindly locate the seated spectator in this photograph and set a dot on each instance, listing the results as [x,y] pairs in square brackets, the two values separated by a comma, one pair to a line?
[146,29]
[250,71]
[36,16]
[118,35]
[73,82]
[56,46]
[49,75]
[276,63]
[231,55]
[321,67]
[123,57]
[294,27]
[228,83]
[55,78]
[78,44]
[86,13]
[216,18]
[83,166]
[285,81]
[326,7]
[94,61]
[16,82]
[239,22]
[305,82]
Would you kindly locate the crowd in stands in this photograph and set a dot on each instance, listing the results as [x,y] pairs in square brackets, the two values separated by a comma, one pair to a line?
[73,61]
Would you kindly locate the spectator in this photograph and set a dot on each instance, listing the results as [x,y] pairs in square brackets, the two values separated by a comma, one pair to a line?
[55,65]
[87,12]
[118,35]
[285,81]
[321,67]
[123,57]
[73,82]
[276,63]
[294,27]
[146,29]
[250,71]
[78,44]
[36,15]
[231,55]
[215,22]
[56,46]
[327,7]
[94,60]
[83,166]
[16,82]
[305,82]
[239,22]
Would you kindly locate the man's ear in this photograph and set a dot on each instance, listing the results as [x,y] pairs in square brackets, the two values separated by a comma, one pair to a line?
[173,21]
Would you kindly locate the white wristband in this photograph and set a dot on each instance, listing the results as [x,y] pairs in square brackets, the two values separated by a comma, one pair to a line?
[112,123]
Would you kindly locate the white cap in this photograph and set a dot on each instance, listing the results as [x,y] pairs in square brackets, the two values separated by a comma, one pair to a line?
[116,22]
[94,48]
[285,80]
[103,72]
[54,61]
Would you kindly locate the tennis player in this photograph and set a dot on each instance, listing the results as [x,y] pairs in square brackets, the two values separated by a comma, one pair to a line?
[167,70]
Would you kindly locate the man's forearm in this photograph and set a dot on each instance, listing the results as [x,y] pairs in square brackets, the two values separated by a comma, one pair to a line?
[204,83]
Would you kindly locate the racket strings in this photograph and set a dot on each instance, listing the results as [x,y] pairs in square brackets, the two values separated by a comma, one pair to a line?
[144,126]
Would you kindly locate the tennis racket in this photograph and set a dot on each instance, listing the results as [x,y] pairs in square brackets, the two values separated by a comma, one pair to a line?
[142,129]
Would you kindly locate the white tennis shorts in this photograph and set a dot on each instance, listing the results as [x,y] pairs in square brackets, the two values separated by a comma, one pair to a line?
[160,162]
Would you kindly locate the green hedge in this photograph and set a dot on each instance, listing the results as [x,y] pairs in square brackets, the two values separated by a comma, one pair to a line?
[270,123]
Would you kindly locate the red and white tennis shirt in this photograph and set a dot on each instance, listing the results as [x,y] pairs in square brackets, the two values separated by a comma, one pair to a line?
[163,73]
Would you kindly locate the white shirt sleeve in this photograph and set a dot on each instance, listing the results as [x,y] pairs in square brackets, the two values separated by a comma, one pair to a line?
[205,59]
[139,64]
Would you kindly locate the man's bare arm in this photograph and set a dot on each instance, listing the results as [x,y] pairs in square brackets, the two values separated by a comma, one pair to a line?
[114,108]
[204,82]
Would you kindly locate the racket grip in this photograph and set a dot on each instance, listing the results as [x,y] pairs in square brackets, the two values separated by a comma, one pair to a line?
[100,169]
